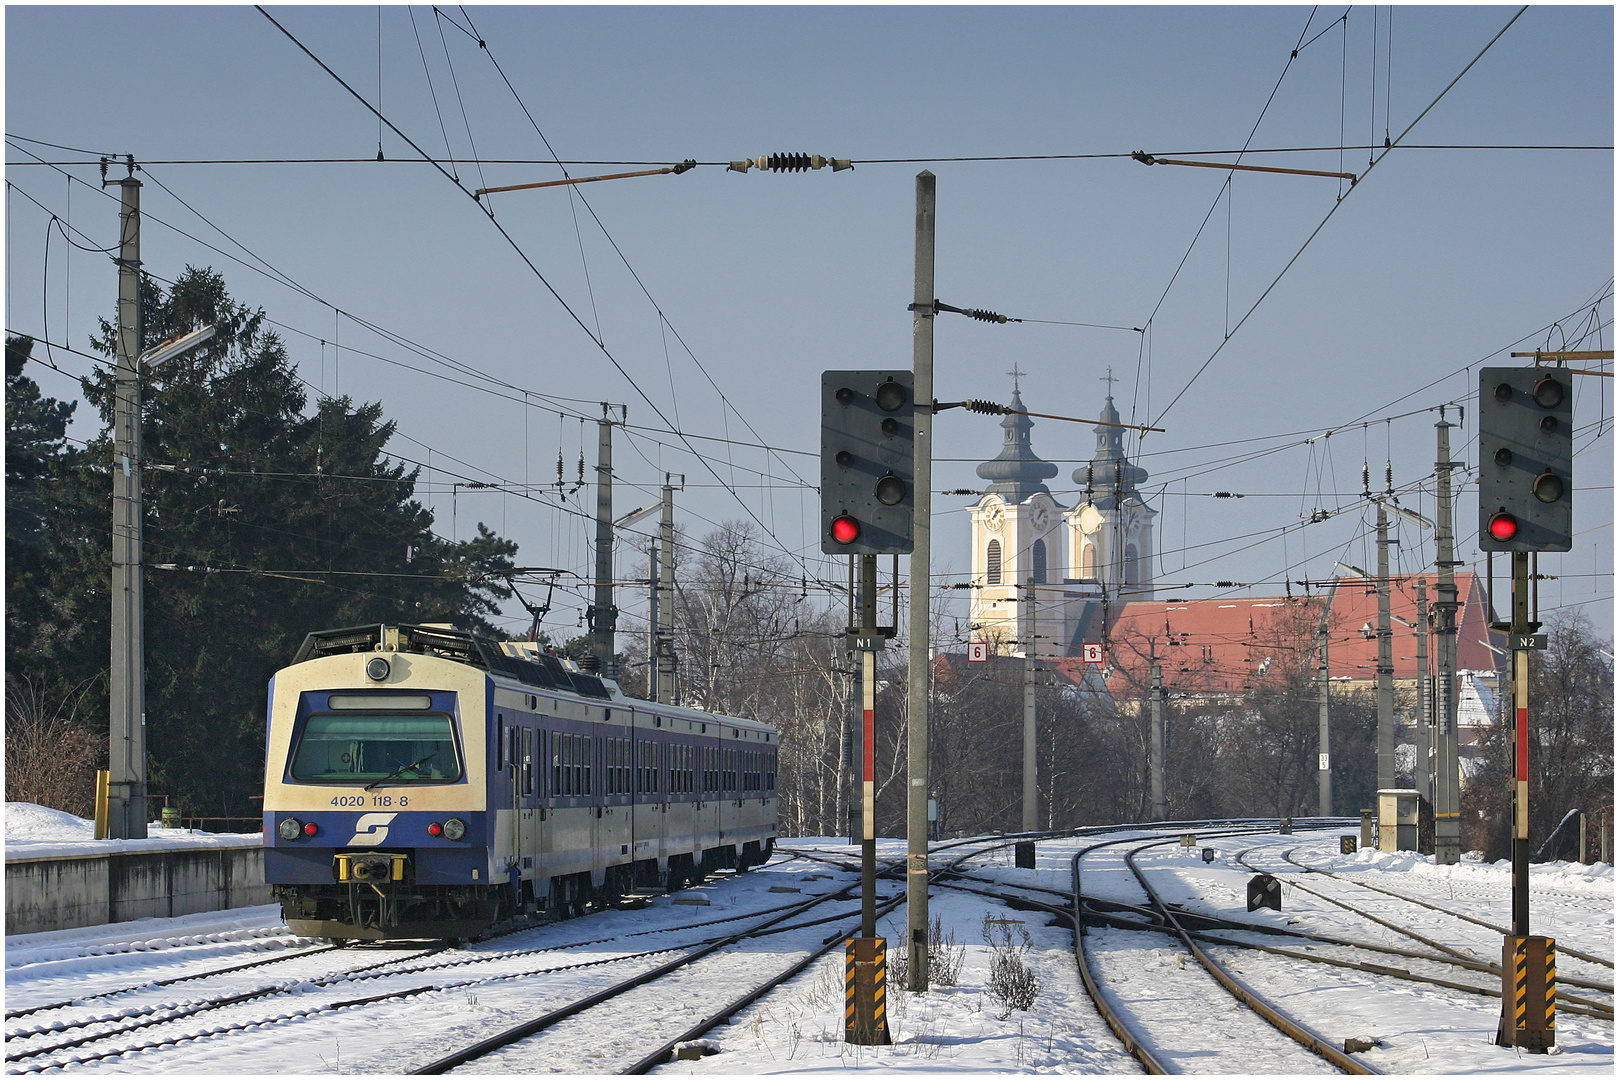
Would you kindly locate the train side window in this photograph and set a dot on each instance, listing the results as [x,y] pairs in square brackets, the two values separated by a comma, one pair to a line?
[500,742]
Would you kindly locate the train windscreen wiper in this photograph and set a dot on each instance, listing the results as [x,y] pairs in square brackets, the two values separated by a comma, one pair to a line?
[399,772]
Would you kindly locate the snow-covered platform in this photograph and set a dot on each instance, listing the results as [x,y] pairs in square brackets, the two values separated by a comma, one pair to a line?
[59,876]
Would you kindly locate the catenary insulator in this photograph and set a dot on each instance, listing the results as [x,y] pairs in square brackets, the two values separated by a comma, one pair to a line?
[786,162]
[989,408]
[985,316]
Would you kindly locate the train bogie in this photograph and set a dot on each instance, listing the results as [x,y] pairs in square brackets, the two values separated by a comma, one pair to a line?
[421,782]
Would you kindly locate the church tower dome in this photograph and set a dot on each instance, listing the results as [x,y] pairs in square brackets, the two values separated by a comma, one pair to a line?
[1017,543]
[1016,473]
[1110,538]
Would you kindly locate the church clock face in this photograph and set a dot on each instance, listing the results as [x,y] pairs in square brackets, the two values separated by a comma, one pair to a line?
[1040,517]
[994,517]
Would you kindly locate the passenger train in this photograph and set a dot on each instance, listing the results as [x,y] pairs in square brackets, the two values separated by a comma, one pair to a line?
[423,782]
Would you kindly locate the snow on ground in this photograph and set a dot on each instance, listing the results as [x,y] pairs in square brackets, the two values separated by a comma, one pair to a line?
[38,832]
[798,1028]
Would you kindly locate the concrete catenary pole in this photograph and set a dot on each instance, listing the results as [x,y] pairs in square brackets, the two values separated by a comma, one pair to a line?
[1031,769]
[920,660]
[1424,739]
[1324,720]
[653,621]
[1160,810]
[1385,658]
[1447,781]
[126,757]
[668,693]
[603,616]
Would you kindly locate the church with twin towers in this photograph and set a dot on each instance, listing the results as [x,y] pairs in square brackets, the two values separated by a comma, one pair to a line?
[1073,563]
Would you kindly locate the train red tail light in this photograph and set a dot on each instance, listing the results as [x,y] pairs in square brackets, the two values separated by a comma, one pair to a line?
[845,529]
[435,829]
[310,829]
[1503,527]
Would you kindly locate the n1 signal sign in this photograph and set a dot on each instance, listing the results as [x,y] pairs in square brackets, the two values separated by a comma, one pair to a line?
[977,652]
[1091,652]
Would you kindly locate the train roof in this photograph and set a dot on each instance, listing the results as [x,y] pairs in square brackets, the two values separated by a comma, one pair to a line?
[521,660]
[536,668]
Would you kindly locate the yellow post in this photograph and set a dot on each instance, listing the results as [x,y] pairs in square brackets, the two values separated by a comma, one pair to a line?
[101,804]
[865,991]
[1529,994]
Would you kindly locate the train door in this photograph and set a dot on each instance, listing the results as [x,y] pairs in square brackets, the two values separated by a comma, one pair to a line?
[528,829]
[644,798]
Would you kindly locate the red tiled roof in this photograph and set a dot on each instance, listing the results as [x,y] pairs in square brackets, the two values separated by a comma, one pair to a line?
[1226,646]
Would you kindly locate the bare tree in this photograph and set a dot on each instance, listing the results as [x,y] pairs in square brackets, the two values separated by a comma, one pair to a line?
[1570,742]
[52,754]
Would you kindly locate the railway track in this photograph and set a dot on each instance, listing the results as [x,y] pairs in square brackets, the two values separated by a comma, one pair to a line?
[27,1050]
[1562,948]
[509,1050]
[1443,954]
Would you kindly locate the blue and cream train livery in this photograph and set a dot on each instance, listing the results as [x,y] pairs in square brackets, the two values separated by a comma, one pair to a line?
[422,782]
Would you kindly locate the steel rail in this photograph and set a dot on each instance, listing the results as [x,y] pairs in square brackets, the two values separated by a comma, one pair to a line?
[1110,1016]
[16,1014]
[1288,1026]
[1580,1006]
[1461,958]
[1563,949]
[175,1011]
[539,1023]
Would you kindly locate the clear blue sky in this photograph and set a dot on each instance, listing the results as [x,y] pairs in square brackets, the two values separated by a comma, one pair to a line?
[1438,261]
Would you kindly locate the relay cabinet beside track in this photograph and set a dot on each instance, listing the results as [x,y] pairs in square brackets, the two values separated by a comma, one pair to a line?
[422,782]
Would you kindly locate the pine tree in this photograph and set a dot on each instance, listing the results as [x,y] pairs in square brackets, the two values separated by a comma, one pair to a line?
[262,522]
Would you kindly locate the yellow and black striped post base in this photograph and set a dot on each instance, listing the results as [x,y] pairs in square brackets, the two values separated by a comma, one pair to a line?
[1528,994]
[865,991]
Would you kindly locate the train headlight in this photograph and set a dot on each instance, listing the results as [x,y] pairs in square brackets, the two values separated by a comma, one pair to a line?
[377,669]
[290,828]
[454,828]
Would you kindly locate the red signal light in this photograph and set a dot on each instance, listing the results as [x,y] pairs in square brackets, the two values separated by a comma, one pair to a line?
[435,829]
[311,829]
[845,529]
[1503,527]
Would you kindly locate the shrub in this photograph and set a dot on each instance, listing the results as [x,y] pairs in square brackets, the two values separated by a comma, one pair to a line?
[1012,985]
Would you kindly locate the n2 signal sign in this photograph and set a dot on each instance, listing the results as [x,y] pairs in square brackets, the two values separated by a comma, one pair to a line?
[977,652]
[1091,652]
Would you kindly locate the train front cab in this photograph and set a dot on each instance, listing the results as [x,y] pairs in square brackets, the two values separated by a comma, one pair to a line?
[374,821]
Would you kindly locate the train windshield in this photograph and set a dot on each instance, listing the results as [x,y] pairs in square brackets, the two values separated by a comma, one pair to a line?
[375,747]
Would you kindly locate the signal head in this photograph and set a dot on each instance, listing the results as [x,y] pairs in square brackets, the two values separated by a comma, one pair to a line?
[1503,527]
[891,490]
[1548,393]
[891,396]
[845,529]
[1548,487]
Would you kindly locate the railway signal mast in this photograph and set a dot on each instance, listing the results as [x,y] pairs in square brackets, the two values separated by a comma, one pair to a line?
[1526,482]
[867,496]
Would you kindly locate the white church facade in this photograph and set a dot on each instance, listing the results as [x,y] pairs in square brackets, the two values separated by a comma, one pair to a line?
[1034,558]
